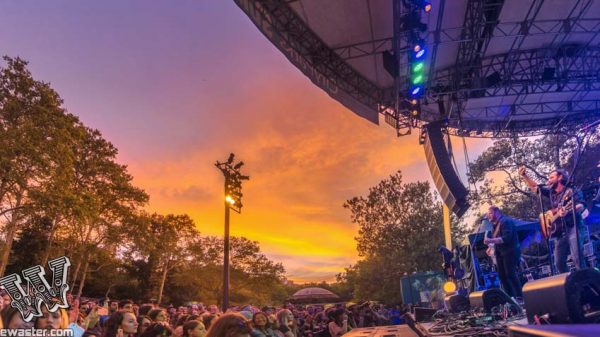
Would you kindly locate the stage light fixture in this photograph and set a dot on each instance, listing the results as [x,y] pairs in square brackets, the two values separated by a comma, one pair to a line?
[418,67]
[427,7]
[230,200]
[415,113]
[414,102]
[420,54]
[449,287]
[418,79]
[416,91]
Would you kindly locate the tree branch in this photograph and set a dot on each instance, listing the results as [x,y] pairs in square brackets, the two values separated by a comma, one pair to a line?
[514,184]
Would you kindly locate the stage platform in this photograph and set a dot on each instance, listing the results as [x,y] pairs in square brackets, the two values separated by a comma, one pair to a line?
[516,328]
[383,331]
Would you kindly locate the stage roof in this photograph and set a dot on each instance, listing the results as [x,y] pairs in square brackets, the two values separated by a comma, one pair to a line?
[496,67]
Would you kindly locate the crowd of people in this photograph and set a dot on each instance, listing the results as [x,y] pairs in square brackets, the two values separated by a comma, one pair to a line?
[112,318]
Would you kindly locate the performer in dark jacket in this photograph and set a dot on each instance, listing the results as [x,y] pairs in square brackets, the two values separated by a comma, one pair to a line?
[507,250]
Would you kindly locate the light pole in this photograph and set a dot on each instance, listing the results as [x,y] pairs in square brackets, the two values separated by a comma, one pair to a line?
[232,200]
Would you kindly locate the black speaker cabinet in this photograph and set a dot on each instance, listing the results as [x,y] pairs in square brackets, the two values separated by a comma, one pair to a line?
[487,299]
[424,314]
[565,298]
[457,303]
[451,189]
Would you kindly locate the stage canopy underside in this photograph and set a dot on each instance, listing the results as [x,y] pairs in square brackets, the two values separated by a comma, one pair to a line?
[495,68]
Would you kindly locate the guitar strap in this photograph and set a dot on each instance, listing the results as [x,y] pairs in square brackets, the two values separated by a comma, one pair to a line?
[497,229]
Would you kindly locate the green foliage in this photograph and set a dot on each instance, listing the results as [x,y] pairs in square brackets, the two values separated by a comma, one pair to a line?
[494,172]
[400,230]
[62,191]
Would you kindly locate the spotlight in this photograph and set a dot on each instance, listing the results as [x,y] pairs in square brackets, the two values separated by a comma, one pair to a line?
[230,200]
[417,47]
[414,102]
[420,54]
[418,67]
[415,112]
[427,7]
[416,91]
[418,79]
[449,287]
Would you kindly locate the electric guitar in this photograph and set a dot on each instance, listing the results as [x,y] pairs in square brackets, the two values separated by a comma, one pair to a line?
[548,219]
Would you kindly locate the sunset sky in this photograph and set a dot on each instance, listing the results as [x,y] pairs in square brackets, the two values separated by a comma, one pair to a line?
[177,85]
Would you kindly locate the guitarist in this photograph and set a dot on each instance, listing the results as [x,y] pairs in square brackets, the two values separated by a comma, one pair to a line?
[507,250]
[565,238]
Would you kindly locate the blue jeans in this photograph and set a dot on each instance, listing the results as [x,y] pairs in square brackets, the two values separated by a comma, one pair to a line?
[564,244]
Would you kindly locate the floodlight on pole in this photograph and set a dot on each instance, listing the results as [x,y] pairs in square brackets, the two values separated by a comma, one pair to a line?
[233,200]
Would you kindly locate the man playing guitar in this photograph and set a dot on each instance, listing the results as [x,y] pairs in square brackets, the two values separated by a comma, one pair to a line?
[564,231]
[507,250]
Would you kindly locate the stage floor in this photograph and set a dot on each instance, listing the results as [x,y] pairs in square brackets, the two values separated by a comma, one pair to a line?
[380,331]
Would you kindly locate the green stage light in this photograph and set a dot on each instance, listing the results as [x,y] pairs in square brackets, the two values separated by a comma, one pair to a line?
[418,79]
[418,67]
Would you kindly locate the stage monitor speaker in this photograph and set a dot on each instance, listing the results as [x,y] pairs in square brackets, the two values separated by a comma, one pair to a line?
[424,314]
[451,189]
[457,303]
[488,299]
[565,298]
[565,330]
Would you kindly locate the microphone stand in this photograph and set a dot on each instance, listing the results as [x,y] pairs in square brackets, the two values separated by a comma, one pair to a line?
[550,249]
[582,148]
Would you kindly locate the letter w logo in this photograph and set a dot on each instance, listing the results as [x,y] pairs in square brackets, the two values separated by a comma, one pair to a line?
[29,300]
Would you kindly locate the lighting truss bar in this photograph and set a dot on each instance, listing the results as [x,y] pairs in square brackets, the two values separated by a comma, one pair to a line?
[500,129]
[501,30]
[575,68]
[286,30]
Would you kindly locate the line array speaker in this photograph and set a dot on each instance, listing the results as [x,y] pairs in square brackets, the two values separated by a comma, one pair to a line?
[451,189]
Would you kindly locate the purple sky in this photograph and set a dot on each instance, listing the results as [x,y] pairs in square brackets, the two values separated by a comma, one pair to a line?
[176,85]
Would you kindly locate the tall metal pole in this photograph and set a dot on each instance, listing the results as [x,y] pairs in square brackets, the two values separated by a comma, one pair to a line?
[226,258]
[233,200]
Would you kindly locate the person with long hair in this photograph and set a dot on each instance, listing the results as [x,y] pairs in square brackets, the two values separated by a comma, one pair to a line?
[12,319]
[158,316]
[120,321]
[194,328]
[261,326]
[285,323]
[52,320]
[143,323]
[208,319]
[229,325]
[157,330]
[339,323]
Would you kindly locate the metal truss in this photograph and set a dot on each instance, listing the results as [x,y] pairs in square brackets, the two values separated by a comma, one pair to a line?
[522,128]
[309,50]
[501,30]
[571,68]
